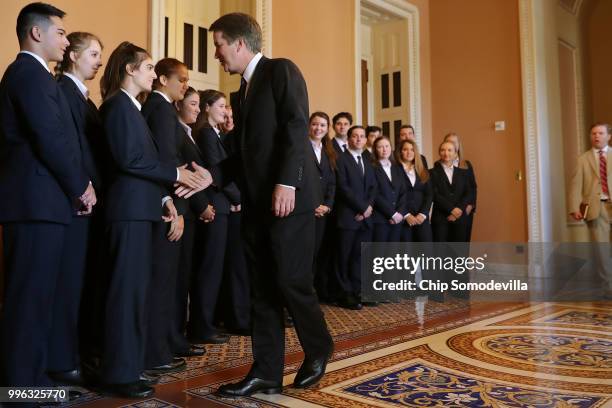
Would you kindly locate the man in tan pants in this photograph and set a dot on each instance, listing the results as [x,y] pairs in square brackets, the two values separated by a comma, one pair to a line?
[592,185]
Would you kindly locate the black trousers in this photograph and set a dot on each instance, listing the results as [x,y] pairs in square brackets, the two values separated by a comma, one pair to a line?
[211,241]
[279,255]
[161,297]
[234,305]
[178,340]
[418,233]
[130,245]
[446,231]
[349,259]
[63,340]
[32,264]
[387,232]
[322,255]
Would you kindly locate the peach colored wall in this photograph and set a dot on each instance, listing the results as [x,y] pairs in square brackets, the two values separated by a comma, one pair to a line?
[476,80]
[319,37]
[599,38]
[113,21]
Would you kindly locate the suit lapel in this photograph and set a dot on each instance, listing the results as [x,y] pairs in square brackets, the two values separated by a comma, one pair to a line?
[593,163]
[252,88]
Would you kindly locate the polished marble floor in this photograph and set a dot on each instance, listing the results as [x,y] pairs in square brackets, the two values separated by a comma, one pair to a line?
[424,354]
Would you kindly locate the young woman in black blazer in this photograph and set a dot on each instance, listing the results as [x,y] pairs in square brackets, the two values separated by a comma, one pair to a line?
[136,198]
[419,194]
[324,156]
[463,163]
[82,256]
[356,190]
[169,136]
[211,237]
[452,195]
[390,200]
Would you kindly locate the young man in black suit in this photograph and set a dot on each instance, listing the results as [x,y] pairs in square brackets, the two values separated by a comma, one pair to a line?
[277,180]
[42,183]
[341,121]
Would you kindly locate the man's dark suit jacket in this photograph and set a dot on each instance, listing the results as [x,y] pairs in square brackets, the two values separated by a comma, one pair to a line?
[275,148]
[355,191]
[327,179]
[213,153]
[136,175]
[446,195]
[41,172]
[89,127]
[391,196]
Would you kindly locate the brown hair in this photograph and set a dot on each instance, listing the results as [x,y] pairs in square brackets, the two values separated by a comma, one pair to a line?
[328,147]
[190,91]
[375,158]
[114,73]
[166,67]
[207,98]
[606,125]
[79,42]
[239,25]
[419,168]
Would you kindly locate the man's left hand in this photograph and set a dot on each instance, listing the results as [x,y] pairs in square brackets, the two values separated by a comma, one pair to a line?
[283,201]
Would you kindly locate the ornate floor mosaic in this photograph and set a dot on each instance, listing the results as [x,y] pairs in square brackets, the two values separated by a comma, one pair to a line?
[428,355]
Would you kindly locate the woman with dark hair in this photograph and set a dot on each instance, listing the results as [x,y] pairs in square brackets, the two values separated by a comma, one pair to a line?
[324,156]
[390,199]
[211,237]
[463,163]
[161,116]
[82,256]
[419,194]
[136,198]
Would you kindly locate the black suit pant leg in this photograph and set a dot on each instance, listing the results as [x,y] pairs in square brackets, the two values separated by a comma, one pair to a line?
[238,309]
[321,256]
[63,341]
[386,232]
[364,234]
[130,245]
[280,255]
[208,278]
[161,297]
[32,260]
[178,341]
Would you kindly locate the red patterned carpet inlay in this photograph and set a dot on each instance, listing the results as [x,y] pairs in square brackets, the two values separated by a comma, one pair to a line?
[423,354]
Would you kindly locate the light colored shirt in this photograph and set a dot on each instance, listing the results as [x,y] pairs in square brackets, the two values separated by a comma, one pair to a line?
[386,166]
[164,95]
[79,84]
[596,153]
[449,172]
[411,176]
[357,156]
[217,131]
[317,146]
[187,130]
[342,144]
[38,58]
[250,68]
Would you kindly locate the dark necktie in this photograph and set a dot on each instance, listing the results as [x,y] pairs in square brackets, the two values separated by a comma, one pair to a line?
[360,164]
[242,91]
[603,172]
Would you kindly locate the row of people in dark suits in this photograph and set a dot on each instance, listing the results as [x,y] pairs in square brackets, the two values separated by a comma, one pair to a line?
[372,196]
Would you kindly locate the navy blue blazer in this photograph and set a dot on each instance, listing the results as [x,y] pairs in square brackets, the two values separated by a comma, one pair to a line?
[41,171]
[391,197]
[355,191]
[191,153]
[418,197]
[337,147]
[137,178]
[89,127]
[213,153]
[327,179]
[446,195]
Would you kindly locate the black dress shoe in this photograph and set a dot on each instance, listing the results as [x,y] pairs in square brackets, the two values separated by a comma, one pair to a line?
[72,377]
[369,304]
[149,380]
[238,331]
[177,364]
[212,339]
[193,351]
[288,321]
[130,390]
[249,386]
[311,371]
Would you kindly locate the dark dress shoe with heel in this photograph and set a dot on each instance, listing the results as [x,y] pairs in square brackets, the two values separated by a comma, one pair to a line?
[130,390]
[249,386]
[149,380]
[193,351]
[176,365]
[212,339]
[311,371]
[71,377]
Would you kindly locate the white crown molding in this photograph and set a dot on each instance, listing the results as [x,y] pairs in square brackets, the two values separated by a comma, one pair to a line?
[263,11]
[156,33]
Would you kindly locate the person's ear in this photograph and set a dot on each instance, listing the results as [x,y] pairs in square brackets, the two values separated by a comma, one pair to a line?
[73,56]
[163,80]
[36,33]
[129,68]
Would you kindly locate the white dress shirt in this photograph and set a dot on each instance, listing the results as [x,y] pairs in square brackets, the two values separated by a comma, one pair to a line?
[341,143]
[449,172]
[250,68]
[166,97]
[317,146]
[411,176]
[386,166]
[187,130]
[79,84]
